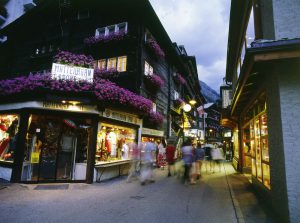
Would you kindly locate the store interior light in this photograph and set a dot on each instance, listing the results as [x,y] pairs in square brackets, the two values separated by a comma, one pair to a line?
[192,102]
[187,107]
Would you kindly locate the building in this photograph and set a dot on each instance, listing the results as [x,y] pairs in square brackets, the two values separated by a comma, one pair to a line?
[213,130]
[86,80]
[263,71]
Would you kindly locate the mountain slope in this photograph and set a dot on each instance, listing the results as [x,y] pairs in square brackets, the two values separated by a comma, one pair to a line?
[209,94]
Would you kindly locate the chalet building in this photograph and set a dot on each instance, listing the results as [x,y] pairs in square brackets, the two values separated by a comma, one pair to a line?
[213,130]
[83,80]
[263,70]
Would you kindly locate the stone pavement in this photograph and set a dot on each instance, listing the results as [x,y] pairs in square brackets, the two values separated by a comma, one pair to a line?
[217,197]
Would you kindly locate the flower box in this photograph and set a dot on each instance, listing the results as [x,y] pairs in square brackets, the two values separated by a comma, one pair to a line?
[153,82]
[90,41]
[179,79]
[155,48]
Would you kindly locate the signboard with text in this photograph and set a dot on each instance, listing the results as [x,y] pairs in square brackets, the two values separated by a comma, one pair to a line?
[71,73]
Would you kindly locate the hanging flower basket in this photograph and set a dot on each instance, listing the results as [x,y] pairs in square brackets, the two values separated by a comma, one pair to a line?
[179,79]
[153,82]
[155,48]
[90,41]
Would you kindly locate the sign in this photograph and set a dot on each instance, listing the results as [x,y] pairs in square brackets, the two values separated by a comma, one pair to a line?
[71,73]
[51,105]
[35,157]
[152,132]
[121,116]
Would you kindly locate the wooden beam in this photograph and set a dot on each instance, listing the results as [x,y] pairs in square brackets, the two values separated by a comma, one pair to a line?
[276,56]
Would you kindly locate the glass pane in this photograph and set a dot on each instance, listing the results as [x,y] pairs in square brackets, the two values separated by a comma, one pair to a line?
[112,142]
[122,63]
[266,175]
[9,125]
[253,167]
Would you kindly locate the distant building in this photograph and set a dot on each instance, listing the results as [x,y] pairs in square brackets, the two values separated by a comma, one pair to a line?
[263,66]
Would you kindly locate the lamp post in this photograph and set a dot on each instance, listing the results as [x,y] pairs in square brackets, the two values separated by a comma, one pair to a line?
[186,108]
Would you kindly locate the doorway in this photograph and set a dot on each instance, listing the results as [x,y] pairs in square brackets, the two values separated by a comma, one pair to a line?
[56,149]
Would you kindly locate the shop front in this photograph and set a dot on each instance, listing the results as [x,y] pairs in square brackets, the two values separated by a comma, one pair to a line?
[117,133]
[46,142]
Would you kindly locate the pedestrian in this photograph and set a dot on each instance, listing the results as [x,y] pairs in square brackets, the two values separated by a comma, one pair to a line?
[170,157]
[217,157]
[199,157]
[187,157]
[161,158]
[208,159]
[148,159]
[134,155]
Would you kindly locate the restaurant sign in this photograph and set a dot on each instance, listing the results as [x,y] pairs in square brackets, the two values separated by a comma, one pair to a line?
[71,73]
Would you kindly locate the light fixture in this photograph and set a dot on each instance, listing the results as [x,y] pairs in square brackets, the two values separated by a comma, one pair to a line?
[187,107]
[64,102]
[192,102]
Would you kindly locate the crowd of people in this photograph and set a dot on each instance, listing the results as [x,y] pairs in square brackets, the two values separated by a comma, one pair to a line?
[186,162]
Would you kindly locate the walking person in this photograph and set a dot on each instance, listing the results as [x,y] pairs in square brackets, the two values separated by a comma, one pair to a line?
[199,157]
[148,159]
[187,157]
[217,157]
[208,158]
[135,156]
[161,158]
[170,157]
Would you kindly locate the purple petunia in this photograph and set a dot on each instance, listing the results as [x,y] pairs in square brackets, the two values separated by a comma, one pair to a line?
[155,48]
[155,81]
[180,79]
[89,41]
[81,60]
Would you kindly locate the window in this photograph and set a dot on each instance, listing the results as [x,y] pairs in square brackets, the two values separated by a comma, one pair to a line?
[102,64]
[111,63]
[117,63]
[8,136]
[153,107]
[83,14]
[122,27]
[122,61]
[110,30]
[100,32]
[176,95]
[148,69]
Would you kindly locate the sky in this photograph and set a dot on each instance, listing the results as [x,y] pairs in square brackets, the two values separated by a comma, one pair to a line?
[202,27]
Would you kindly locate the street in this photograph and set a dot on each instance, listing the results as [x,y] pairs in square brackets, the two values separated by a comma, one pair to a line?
[218,197]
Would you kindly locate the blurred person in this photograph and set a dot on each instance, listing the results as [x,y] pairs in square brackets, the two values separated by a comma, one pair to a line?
[199,157]
[187,157]
[217,157]
[161,158]
[170,157]
[135,156]
[208,158]
[148,159]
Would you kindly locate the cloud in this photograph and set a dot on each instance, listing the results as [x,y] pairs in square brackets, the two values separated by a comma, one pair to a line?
[202,27]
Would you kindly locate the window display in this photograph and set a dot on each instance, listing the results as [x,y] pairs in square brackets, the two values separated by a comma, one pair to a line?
[54,147]
[113,142]
[8,136]
[260,151]
[247,149]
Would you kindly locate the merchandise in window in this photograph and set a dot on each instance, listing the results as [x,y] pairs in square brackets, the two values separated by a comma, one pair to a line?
[113,142]
[56,148]
[9,125]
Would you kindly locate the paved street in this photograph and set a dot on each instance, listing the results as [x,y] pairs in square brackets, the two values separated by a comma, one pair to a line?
[218,197]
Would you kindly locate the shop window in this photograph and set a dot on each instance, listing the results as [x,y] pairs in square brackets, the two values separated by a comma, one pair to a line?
[56,148]
[122,61]
[113,142]
[9,125]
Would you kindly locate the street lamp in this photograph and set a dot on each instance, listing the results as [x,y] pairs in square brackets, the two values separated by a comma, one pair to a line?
[186,108]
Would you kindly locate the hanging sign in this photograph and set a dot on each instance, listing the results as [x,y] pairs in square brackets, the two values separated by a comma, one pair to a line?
[71,73]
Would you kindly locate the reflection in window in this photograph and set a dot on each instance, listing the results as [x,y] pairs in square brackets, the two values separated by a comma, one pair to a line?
[8,137]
